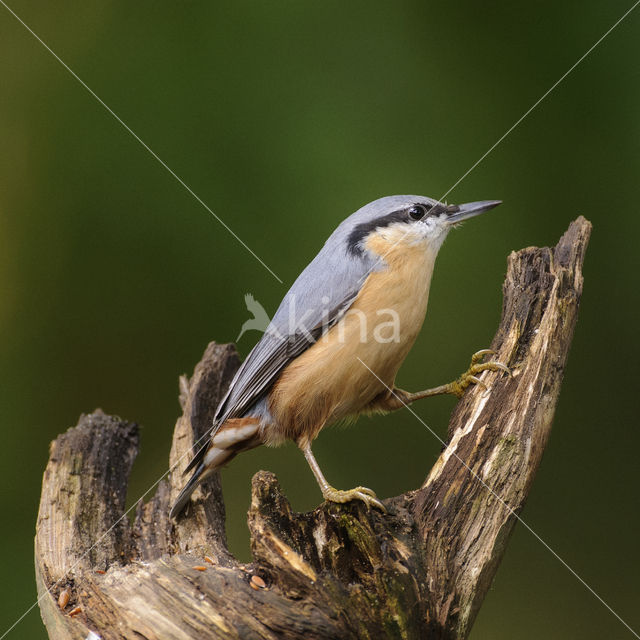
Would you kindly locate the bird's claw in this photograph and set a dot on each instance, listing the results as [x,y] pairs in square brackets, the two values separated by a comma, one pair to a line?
[358,493]
[478,356]
[477,366]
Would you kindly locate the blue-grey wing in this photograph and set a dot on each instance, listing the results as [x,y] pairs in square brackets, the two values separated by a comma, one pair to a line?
[322,293]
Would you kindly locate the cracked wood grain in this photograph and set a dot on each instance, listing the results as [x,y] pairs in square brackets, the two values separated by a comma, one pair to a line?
[340,571]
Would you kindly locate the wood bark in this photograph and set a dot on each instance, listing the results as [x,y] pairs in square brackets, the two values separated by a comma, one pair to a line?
[341,571]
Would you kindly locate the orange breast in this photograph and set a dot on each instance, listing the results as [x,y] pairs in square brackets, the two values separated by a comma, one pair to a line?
[330,381]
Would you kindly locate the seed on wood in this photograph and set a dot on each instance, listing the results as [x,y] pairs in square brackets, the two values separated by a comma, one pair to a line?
[209,560]
[75,612]
[200,568]
[257,583]
[63,598]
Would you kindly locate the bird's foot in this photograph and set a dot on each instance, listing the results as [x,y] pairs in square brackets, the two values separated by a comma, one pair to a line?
[359,493]
[458,387]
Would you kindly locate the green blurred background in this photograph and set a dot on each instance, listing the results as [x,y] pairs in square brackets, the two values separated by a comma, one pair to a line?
[284,117]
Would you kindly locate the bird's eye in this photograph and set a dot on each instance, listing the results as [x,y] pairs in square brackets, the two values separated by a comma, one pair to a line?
[417,211]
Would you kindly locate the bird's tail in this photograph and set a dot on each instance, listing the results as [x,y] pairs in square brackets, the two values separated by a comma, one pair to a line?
[237,434]
[196,478]
[209,460]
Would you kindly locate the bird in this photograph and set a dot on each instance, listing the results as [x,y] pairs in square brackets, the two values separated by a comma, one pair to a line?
[315,364]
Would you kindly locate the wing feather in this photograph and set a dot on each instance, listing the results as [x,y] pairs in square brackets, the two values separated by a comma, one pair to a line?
[319,297]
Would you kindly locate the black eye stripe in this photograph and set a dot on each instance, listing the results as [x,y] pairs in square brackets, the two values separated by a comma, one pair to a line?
[429,209]
[361,231]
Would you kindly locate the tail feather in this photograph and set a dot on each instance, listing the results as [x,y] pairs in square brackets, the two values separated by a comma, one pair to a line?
[198,457]
[211,460]
[198,476]
[236,435]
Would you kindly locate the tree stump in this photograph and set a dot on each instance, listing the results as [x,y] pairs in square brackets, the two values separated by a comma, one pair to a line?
[341,571]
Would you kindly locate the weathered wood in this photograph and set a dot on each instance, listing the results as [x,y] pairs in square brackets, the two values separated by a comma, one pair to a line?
[340,571]
[484,476]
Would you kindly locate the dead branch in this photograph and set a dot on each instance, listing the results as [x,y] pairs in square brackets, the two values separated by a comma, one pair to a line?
[420,571]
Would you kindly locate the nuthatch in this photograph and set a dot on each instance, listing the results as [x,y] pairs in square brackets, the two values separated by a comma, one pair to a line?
[319,360]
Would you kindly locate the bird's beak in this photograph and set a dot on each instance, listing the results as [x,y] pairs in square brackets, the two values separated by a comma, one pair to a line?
[460,212]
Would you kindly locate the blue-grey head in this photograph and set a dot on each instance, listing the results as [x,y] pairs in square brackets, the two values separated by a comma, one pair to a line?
[394,229]
[406,220]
